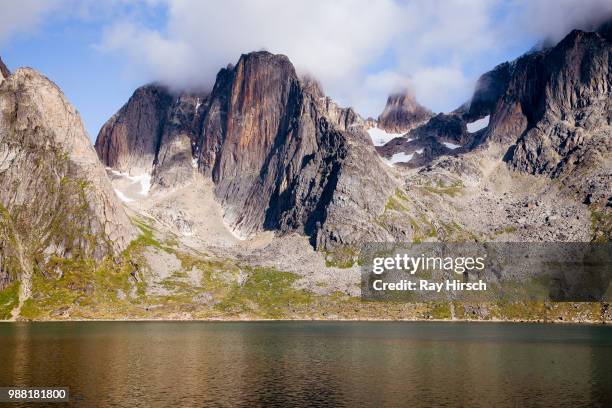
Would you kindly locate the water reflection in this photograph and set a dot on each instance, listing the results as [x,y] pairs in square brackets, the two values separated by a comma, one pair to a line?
[315,364]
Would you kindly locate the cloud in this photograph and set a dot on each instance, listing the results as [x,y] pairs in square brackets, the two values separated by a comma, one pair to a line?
[23,16]
[551,20]
[331,40]
[360,50]
[441,87]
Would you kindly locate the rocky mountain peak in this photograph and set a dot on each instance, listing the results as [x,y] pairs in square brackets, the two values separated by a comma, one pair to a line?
[56,201]
[402,113]
[548,112]
[279,152]
[4,71]
[129,141]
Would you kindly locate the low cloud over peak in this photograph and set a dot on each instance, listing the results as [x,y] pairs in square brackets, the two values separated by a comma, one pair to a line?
[359,50]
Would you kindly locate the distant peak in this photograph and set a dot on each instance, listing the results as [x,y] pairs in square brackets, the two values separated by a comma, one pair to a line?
[264,57]
[402,112]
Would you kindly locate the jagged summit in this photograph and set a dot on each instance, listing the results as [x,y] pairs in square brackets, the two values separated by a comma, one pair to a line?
[402,113]
[544,107]
[281,155]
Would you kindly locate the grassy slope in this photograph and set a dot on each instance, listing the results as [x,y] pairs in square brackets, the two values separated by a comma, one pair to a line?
[227,289]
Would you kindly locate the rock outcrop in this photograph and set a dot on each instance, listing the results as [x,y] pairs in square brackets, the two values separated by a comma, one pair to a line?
[56,201]
[554,115]
[549,112]
[130,140]
[431,140]
[282,156]
[402,113]
[4,71]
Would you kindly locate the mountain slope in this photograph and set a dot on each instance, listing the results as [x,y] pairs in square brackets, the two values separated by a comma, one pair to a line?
[56,201]
[546,113]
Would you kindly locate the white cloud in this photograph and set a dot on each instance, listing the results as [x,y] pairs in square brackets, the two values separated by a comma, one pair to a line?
[441,88]
[23,16]
[552,19]
[360,50]
[331,40]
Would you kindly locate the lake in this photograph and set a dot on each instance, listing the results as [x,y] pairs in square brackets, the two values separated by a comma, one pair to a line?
[162,364]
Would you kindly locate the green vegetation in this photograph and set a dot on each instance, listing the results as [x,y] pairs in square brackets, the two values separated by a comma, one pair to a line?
[341,257]
[209,287]
[146,237]
[9,299]
[453,189]
[440,310]
[601,224]
[266,292]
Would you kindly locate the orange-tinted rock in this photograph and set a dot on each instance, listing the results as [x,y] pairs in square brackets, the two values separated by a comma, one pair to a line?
[282,155]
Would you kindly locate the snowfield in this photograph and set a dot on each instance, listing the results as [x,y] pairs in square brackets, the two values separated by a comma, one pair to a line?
[130,188]
[451,146]
[380,136]
[401,157]
[475,126]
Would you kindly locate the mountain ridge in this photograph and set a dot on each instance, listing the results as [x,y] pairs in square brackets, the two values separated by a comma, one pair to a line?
[277,150]
[254,199]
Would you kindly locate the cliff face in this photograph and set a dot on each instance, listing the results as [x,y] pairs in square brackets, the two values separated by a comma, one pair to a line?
[549,112]
[282,156]
[402,113]
[55,198]
[556,114]
[130,140]
[4,71]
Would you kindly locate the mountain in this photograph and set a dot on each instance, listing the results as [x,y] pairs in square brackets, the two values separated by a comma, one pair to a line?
[253,199]
[555,115]
[547,113]
[402,113]
[282,156]
[56,202]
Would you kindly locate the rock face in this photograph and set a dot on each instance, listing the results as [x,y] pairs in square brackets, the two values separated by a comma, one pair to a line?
[282,156]
[490,87]
[431,140]
[402,113]
[555,114]
[4,71]
[130,140]
[549,111]
[55,198]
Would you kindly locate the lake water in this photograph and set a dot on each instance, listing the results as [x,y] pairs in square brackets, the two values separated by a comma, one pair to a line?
[169,364]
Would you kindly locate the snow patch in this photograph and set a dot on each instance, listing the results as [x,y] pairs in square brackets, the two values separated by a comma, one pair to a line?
[144,180]
[122,196]
[380,136]
[475,126]
[194,163]
[401,157]
[451,146]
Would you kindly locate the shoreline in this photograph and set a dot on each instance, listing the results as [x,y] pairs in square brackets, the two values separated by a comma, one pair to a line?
[513,321]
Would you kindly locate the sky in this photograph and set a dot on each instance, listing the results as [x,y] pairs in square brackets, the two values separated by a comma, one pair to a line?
[99,52]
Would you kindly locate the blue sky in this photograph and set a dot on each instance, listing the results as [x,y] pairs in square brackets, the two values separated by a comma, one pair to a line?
[99,52]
